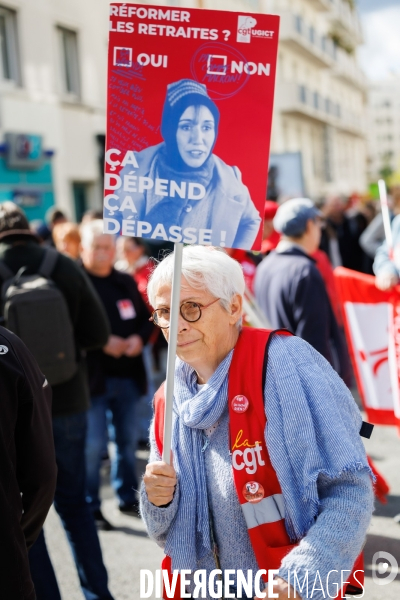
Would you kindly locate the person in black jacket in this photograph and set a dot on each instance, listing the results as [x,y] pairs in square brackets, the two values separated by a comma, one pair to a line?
[20,248]
[340,238]
[28,469]
[290,290]
[117,374]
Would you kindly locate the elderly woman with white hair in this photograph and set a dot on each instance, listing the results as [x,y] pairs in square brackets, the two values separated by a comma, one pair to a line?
[268,466]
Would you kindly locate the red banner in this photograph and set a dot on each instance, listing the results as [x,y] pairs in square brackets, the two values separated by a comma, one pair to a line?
[190,98]
[372,324]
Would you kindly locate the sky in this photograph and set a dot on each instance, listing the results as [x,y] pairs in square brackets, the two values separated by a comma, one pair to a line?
[380,54]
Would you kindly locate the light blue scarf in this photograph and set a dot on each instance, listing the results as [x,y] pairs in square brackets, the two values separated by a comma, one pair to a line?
[188,538]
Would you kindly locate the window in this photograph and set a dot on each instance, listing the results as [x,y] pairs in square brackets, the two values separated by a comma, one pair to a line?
[69,62]
[303,94]
[9,64]
[252,4]
[80,193]
[327,105]
[298,23]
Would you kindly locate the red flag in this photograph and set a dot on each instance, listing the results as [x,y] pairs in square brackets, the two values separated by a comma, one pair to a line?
[372,325]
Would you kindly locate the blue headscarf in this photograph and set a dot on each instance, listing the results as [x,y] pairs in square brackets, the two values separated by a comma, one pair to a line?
[180,95]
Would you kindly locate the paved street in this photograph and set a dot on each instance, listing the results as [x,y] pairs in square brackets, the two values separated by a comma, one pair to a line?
[127,549]
[384,532]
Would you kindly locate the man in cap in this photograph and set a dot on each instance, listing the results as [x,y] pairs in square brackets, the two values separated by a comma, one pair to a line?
[290,290]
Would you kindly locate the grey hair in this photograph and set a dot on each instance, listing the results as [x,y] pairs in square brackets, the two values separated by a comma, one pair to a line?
[90,231]
[203,267]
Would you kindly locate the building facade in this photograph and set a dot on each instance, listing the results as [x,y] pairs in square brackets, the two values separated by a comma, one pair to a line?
[320,94]
[53,57]
[384,130]
[53,94]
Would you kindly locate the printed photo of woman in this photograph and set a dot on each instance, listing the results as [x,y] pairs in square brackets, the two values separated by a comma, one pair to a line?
[198,189]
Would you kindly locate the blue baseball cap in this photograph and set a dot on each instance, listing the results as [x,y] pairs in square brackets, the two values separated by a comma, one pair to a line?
[292,216]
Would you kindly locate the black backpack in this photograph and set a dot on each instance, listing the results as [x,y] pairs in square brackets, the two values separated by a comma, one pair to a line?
[36,311]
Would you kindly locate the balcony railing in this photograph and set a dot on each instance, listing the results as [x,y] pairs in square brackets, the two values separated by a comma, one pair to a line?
[348,70]
[321,5]
[304,39]
[343,16]
[295,98]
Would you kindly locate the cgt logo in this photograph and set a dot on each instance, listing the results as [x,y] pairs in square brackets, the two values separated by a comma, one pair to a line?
[245,25]
[246,31]
[250,458]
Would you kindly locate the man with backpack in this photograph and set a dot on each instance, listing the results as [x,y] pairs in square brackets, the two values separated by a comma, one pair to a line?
[28,469]
[48,301]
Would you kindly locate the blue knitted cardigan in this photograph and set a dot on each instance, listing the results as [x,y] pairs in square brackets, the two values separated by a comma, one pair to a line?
[312,436]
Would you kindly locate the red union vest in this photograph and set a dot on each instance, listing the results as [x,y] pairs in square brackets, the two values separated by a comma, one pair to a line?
[256,482]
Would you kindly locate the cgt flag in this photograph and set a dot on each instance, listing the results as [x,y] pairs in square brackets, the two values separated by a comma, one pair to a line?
[372,324]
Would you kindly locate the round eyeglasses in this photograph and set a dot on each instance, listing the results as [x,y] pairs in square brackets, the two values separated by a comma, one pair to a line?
[190,311]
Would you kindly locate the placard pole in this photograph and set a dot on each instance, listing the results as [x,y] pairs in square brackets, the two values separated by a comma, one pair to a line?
[386,216]
[172,342]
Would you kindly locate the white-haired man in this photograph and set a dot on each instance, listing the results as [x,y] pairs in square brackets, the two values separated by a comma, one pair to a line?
[117,375]
[267,460]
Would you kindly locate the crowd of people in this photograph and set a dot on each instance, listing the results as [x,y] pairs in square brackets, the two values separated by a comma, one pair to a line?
[119,360]
[109,317]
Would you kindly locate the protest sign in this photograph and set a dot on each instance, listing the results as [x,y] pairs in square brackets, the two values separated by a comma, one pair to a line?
[190,99]
[372,324]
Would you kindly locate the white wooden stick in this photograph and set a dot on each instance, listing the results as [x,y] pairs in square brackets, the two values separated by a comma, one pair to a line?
[172,342]
[385,215]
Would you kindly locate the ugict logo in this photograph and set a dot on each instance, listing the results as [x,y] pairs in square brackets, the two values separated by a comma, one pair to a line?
[246,31]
